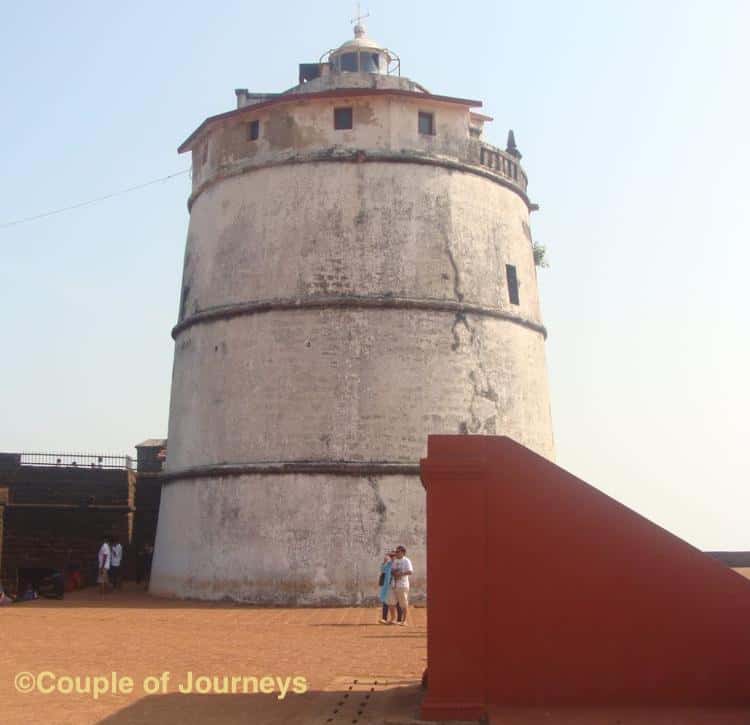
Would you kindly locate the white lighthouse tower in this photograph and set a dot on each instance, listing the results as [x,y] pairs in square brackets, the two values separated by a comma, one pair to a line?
[359,273]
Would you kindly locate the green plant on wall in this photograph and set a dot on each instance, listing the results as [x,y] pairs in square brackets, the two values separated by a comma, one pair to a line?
[540,255]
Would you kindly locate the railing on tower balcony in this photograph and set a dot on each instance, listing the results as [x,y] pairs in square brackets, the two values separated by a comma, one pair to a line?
[76,460]
[503,163]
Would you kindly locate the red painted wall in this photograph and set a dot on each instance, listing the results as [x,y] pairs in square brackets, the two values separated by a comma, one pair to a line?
[543,591]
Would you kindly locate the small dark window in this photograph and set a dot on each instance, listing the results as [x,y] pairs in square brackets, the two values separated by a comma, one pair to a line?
[426,123]
[510,273]
[253,130]
[342,118]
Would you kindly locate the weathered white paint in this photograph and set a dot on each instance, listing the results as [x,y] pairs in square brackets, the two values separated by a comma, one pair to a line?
[284,539]
[338,383]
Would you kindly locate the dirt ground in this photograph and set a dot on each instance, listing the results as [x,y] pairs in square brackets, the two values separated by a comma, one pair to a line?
[355,670]
[137,636]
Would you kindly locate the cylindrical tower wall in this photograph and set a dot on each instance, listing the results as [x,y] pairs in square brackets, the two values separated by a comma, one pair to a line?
[333,314]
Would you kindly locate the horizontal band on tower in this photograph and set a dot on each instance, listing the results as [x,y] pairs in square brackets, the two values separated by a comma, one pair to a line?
[335,468]
[359,156]
[389,302]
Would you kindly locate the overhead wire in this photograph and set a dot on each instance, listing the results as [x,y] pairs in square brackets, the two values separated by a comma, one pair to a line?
[98,199]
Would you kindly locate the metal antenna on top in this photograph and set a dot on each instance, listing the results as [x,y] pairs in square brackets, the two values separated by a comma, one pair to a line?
[359,29]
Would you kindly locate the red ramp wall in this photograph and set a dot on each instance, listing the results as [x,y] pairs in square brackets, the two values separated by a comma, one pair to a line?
[543,591]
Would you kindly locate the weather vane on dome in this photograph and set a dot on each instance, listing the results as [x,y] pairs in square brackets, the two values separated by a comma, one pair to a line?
[359,29]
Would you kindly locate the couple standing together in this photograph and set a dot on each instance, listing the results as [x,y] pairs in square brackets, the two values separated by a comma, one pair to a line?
[110,560]
[394,586]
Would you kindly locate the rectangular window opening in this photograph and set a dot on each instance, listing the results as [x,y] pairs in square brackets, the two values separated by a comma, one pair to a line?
[253,130]
[510,273]
[342,118]
[426,123]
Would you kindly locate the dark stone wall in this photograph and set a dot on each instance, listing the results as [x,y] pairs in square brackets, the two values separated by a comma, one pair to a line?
[52,538]
[58,515]
[151,455]
[69,485]
[147,499]
[3,501]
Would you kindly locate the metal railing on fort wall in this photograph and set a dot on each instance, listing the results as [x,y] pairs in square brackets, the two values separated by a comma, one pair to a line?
[70,460]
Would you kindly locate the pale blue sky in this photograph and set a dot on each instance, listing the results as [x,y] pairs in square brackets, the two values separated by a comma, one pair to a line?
[634,122]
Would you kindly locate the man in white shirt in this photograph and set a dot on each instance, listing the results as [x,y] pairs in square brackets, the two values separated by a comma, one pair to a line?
[105,561]
[401,570]
[115,563]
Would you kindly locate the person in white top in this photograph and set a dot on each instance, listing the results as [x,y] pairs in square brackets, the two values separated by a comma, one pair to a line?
[401,571]
[115,576]
[105,561]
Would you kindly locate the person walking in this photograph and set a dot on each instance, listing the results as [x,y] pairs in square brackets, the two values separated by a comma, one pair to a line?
[401,570]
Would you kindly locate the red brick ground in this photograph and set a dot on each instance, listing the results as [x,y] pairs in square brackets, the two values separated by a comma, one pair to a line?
[136,635]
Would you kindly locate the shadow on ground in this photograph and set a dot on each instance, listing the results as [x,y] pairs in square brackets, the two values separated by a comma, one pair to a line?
[398,704]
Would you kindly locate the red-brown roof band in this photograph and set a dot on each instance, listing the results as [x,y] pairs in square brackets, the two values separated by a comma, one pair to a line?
[335,93]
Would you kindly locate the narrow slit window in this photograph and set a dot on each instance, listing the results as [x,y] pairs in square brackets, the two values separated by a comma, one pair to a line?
[426,123]
[342,118]
[253,130]
[510,274]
